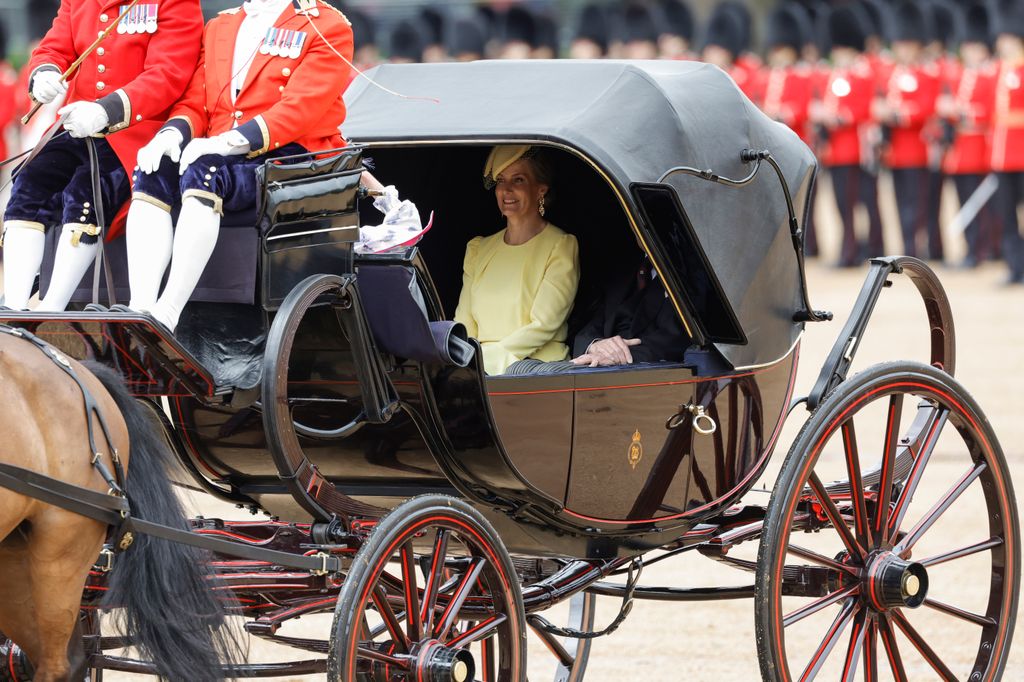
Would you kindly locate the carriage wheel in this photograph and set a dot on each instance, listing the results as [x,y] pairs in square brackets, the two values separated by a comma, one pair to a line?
[570,654]
[891,543]
[431,596]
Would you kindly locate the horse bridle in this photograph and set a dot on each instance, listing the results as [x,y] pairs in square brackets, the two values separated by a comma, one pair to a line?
[115,480]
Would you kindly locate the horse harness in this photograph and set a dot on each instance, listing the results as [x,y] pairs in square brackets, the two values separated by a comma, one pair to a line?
[42,487]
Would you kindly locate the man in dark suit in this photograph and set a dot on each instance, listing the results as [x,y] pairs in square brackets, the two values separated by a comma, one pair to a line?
[635,322]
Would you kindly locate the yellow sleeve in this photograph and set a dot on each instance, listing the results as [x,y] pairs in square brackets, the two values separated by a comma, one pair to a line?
[464,311]
[553,303]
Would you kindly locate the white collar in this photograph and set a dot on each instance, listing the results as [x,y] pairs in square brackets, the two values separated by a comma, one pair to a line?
[256,8]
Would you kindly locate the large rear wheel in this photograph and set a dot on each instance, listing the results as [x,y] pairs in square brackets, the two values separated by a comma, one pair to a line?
[432,596]
[891,543]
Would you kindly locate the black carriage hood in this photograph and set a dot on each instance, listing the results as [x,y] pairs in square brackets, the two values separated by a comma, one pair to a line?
[634,121]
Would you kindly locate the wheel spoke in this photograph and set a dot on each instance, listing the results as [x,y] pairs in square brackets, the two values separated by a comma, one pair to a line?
[983,621]
[856,644]
[374,655]
[892,651]
[818,605]
[832,512]
[481,630]
[398,636]
[944,503]
[962,552]
[451,612]
[892,435]
[860,510]
[870,651]
[412,597]
[821,559]
[922,647]
[835,632]
[920,462]
[487,660]
[432,588]
[554,646]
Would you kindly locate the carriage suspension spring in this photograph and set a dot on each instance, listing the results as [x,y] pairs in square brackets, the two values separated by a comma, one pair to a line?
[636,567]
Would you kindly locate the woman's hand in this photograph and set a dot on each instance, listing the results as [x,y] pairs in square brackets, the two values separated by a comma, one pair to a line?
[608,352]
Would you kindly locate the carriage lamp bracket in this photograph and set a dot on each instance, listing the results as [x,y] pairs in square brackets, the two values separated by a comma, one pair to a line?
[755,156]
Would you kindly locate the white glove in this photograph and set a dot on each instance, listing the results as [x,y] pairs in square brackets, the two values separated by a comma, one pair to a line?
[230,143]
[47,86]
[166,143]
[84,118]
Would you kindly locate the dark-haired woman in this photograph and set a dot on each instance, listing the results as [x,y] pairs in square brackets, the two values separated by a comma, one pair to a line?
[519,283]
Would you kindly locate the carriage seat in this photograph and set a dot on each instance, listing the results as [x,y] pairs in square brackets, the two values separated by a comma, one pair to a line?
[303,222]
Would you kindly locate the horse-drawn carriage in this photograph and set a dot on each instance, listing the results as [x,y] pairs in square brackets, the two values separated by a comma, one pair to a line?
[437,511]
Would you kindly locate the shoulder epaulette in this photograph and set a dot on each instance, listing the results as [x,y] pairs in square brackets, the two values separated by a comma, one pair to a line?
[340,13]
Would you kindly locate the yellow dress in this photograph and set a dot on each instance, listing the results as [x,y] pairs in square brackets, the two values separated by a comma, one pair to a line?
[515,300]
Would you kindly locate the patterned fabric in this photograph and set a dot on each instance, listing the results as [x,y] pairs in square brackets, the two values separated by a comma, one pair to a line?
[56,187]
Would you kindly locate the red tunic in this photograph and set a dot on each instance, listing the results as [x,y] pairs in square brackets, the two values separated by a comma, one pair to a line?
[847,96]
[290,98]
[139,74]
[787,98]
[970,152]
[912,93]
[1008,120]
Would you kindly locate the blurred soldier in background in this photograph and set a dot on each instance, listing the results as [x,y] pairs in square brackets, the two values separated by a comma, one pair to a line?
[676,30]
[433,24]
[907,109]
[407,42]
[1008,133]
[877,17]
[365,31]
[591,38]
[468,40]
[844,108]
[639,32]
[723,43]
[968,114]
[520,34]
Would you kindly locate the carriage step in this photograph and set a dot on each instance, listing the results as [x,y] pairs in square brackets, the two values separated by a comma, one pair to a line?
[146,354]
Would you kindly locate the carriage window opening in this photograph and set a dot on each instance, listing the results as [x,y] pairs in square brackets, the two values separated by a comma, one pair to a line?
[688,264]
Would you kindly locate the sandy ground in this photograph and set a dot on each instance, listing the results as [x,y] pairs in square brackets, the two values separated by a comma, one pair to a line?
[715,640]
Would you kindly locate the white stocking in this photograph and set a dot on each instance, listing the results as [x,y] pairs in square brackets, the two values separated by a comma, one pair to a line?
[23,254]
[69,266]
[150,238]
[194,239]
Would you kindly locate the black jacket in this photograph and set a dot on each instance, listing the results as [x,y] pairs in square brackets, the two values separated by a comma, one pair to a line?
[632,313]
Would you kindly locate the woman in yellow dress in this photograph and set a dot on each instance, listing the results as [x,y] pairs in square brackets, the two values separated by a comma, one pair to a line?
[519,284]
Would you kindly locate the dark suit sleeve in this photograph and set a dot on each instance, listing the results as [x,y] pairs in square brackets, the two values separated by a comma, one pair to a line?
[592,330]
[663,340]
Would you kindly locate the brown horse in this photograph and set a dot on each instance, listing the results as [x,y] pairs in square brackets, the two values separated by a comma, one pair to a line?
[160,589]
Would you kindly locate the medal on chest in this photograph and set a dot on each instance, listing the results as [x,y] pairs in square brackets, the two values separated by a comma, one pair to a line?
[140,19]
[280,42]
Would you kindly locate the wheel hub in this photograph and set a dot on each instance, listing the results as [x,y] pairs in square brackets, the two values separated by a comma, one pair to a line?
[438,663]
[892,582]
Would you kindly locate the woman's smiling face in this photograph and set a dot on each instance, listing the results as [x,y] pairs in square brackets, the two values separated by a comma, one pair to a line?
[518,191]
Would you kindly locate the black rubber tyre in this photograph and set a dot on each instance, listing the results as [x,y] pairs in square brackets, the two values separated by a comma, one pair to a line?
[475,626]
[886,585]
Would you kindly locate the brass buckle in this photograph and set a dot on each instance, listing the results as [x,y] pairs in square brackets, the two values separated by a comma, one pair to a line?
[105,562]
[323,557]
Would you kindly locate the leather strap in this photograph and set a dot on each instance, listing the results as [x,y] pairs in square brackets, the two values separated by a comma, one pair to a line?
[109,509]
[101,223]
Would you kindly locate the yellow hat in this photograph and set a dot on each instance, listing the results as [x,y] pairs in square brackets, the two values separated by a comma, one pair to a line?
[500,158]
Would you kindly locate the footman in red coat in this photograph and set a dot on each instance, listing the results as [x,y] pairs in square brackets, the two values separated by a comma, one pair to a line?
[120,96]
[269,84]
